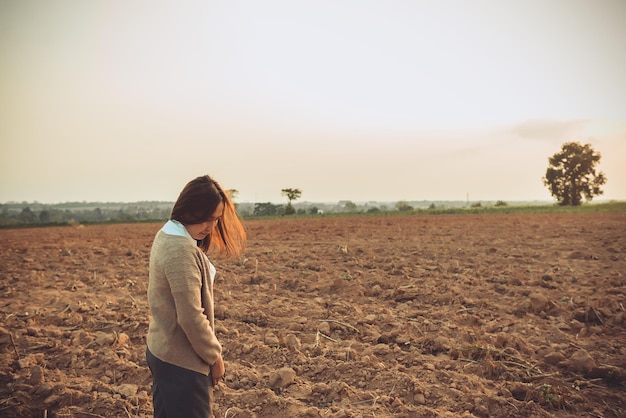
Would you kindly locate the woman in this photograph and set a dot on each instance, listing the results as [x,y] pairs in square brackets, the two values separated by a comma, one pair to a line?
[183,352]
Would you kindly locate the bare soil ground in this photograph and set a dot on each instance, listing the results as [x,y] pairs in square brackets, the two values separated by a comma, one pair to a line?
[381,316]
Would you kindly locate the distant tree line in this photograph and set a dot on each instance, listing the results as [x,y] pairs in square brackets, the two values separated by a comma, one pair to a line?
[37,214]
[271,209]
[17,214]
[22,214]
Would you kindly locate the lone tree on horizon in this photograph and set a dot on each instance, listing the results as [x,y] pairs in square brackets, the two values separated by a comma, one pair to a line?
[572,174]
[232,193]
[292,194]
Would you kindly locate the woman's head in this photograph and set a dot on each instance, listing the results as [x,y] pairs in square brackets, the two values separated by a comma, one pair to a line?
[209,215]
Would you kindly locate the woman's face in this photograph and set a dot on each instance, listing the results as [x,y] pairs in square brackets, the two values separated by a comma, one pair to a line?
[201,230]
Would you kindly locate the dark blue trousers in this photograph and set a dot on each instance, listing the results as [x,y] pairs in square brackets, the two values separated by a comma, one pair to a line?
[178,392]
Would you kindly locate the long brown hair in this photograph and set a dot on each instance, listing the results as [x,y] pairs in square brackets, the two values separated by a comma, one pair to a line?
[197,203]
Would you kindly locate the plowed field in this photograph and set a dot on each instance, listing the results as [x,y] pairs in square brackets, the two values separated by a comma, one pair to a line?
[374,316]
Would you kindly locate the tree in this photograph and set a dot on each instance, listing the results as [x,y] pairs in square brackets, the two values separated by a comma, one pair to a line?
[349,206]
[44,216]
[27,216]
[266,209]
[572,174]
[233,193]
[292,194]
[403,206]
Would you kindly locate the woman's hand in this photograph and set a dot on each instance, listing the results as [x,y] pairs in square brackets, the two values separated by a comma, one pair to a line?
[217,370]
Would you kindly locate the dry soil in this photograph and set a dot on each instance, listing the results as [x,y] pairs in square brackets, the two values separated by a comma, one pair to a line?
[372,316]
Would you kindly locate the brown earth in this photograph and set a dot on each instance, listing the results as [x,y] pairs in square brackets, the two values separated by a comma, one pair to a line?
[373,316]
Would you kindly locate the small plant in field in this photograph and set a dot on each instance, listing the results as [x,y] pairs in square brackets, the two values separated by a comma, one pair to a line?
[549,395]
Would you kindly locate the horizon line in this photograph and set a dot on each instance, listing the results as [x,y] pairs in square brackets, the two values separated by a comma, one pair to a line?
[35,202]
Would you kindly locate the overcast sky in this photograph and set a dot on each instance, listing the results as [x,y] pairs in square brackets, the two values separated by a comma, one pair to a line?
[111,100]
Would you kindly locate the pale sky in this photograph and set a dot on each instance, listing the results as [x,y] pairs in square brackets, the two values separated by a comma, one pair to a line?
[124,100]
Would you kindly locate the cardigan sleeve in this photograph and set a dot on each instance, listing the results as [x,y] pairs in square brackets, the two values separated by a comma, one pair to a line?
[183,272]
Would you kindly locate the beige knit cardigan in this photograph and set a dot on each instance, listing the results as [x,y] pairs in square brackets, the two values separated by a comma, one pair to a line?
[180,297]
